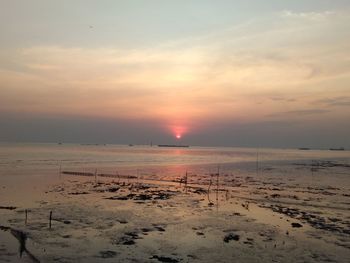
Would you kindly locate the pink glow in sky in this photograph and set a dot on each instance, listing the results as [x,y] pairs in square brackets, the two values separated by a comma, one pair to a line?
[282,69]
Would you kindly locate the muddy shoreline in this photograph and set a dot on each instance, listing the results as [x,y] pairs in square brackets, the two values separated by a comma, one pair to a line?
[104,219]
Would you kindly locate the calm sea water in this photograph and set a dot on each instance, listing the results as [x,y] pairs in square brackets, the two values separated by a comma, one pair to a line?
[40,158]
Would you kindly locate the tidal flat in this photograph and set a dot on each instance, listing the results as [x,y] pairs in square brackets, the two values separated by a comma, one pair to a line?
[220,216]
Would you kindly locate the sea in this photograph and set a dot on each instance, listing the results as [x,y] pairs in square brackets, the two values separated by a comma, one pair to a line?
[45,159]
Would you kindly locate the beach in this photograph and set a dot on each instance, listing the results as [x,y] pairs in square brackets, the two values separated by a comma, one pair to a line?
[110,203]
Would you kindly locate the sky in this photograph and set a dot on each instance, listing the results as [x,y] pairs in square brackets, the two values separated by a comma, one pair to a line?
[217,73]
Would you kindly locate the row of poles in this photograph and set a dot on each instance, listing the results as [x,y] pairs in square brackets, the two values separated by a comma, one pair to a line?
[26,218]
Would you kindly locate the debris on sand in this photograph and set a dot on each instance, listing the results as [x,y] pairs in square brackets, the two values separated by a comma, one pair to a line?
[296,225]
[113,189]
[128,239]
[123,198]
[166,259]
[148,195]
[200,191]
[231,236]
[159,228]
[79,193]
[314,220]
[64,221]
[143,197]
[8,207]
[107,254]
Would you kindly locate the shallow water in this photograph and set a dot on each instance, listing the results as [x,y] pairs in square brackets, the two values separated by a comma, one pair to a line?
[199,160]
[281,186]
[33,164]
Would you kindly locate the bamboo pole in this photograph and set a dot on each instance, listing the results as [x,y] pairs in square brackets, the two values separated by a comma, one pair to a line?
[50,218]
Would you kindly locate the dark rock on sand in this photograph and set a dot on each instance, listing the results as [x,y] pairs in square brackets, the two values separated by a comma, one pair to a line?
[230,237]
[143,197]
[296,225]
[200,191]
[166,259]
[159,228]
[145,229]
[162,196]
[113,189]
[78,193]
[128,239]
[107,254]
[128,242]
[126,197]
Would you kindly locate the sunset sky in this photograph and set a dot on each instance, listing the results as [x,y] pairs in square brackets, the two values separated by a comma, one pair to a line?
[232,73]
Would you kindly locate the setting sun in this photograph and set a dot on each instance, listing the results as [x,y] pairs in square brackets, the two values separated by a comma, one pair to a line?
[174,131]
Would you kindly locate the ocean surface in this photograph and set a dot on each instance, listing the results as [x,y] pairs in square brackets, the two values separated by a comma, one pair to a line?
[259,193]
[48,159]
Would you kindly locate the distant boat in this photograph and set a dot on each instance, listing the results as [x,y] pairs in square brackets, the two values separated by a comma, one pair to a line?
[337,149]
[173,145]
[304,148]
[131,145]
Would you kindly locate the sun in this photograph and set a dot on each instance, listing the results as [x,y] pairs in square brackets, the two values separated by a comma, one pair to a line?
[177,131]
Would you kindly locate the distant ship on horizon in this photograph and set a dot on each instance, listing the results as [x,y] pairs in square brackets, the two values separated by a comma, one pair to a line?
[337,149]
[173,145]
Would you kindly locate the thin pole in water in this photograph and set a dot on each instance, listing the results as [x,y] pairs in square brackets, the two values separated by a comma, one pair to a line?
[217,185]
[209,202]
[60,171]
[50,218]
[26,211]
[137,176]
[257,161]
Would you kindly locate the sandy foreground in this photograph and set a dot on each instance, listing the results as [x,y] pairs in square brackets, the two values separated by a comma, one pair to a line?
[121,219]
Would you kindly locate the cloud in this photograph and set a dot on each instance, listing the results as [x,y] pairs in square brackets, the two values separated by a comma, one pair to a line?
[260,69]
[283,99]
[313,16]
[300,113]
[335,101]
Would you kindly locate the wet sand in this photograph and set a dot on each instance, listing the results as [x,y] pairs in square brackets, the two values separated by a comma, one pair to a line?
[267,218]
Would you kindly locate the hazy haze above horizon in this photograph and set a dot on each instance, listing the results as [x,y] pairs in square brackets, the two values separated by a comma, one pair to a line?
[232,73]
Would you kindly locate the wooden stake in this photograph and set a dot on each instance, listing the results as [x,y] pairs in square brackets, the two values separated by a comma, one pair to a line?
[209,202]
[60,171]
[257,162]
[26,211]
[217,185]
[137,177]
[117,174]
[50,218]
